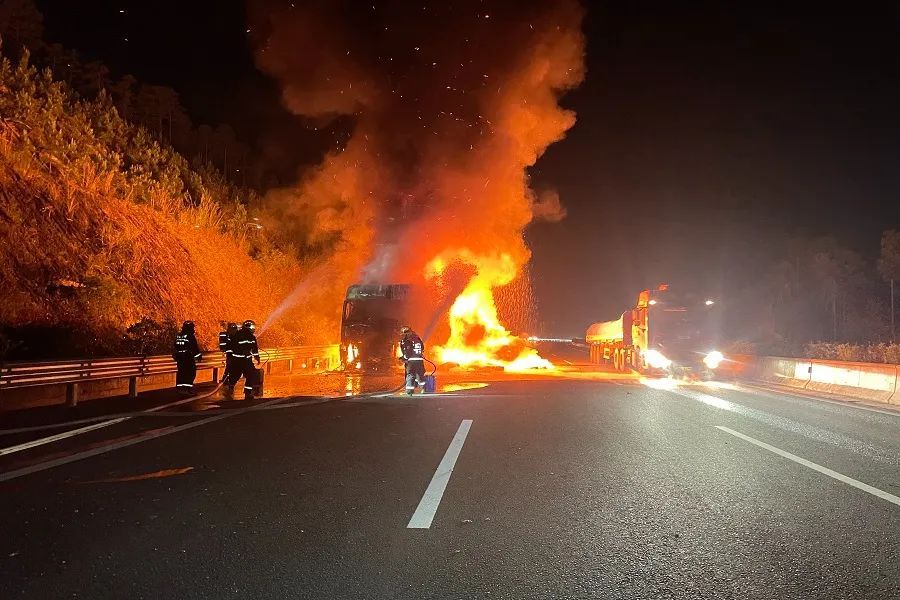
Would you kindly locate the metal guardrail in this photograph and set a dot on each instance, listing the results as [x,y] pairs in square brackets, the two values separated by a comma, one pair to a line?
[71,373]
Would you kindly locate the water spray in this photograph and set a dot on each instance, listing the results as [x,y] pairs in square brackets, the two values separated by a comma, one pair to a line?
[291,299]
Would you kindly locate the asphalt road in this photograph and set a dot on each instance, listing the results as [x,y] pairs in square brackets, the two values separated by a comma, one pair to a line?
[560,488]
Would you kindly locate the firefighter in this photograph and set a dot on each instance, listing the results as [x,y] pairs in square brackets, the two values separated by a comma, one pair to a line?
[245,352]
[223,337]
[225,346]
[186,354]
[413,350]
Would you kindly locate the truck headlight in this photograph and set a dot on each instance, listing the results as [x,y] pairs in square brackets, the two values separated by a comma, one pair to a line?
[656,359]
[713,359]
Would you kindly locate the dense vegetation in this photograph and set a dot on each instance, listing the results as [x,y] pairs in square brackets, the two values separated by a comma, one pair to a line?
[110,237]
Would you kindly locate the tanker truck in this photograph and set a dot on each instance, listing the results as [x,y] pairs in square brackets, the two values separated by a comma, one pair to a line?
[667,332]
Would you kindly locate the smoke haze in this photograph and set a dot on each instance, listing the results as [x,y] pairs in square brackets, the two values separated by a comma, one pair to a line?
[449,106]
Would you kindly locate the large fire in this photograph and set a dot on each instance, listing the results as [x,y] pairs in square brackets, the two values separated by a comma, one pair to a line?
[477,338]
[437,111]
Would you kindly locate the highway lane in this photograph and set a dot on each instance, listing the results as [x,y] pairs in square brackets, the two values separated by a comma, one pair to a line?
[28,435]
[562,489]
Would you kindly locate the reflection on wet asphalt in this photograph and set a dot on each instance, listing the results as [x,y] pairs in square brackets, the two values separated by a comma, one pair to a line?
[331,385]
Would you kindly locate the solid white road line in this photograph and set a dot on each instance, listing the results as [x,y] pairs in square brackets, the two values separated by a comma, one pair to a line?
[806,463]
[92,427]
[64,460]
[59,436]
[428,506]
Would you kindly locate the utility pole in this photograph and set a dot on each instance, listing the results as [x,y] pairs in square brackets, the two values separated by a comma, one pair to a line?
[892,311]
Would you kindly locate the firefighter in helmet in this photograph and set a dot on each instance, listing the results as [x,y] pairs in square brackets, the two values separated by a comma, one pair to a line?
[187,354]
[412,350]
[226,347]
[244,352]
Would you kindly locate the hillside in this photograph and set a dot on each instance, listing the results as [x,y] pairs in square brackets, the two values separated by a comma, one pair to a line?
[110,238]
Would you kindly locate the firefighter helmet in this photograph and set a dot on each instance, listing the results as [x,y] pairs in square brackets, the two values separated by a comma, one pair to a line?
[232,328]
[187,326]
[250,324]
[405,329]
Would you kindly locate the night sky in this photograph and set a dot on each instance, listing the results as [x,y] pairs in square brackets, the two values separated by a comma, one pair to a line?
[706,136]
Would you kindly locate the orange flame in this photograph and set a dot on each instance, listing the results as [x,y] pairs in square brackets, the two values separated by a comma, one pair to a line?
[477,338]
[436,166]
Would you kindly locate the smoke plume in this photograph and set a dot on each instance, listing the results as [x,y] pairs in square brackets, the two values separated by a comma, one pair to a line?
[450,103]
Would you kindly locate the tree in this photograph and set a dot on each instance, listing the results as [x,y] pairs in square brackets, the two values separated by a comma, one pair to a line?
[123,92]
[223,144]
[839,276]
[204,140]
[65,63]
[889,264]
[819,291]
[92,77]
[151,106]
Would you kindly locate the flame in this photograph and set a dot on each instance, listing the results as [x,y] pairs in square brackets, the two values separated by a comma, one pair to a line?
[477,338]
[435,168]
[352,353]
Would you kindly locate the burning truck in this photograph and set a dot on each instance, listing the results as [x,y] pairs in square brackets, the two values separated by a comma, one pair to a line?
[667,332]
[473,337]
[370,322]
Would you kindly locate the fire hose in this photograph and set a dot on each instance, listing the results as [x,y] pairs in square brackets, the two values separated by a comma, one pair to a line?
[433,367]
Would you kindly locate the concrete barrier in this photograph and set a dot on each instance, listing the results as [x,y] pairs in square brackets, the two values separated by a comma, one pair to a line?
[863,381]
[867,381]
[783,371]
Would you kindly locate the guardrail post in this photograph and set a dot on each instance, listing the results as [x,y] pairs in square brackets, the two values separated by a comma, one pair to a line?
[132,387]
[215,375]
[290,365]
[72,393]
[268,367]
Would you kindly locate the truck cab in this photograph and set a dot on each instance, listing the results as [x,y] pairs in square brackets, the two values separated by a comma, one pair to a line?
[370,322]
[681,331]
